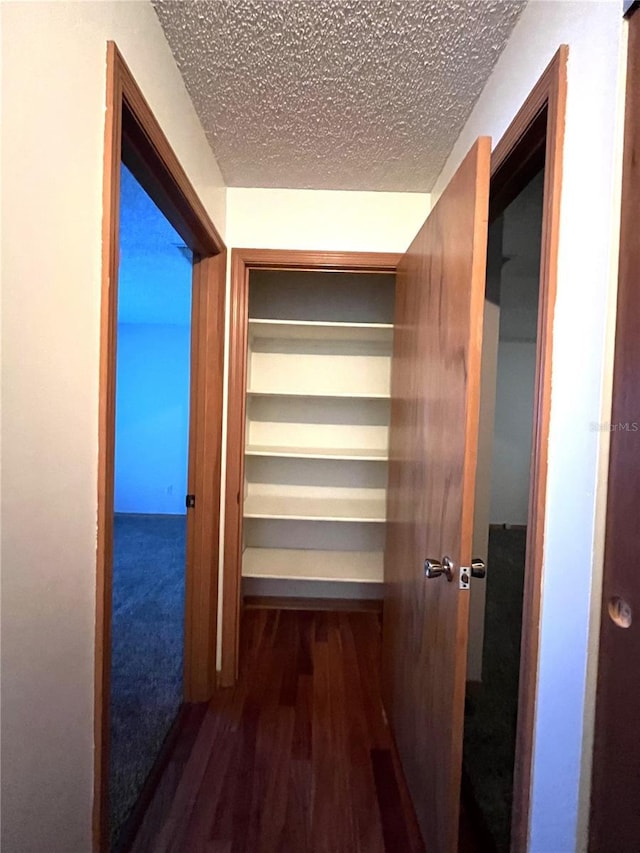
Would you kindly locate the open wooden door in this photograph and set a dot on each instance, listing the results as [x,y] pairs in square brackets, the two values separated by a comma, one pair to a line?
[435,392]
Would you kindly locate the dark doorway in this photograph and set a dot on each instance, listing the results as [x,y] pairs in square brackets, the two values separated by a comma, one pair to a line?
[502,511]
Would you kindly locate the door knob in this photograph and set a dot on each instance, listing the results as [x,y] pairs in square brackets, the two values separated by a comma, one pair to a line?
[478,568]
[435,568]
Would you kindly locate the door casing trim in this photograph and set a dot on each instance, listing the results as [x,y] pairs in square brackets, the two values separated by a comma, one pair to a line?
[242,262]
[129,120]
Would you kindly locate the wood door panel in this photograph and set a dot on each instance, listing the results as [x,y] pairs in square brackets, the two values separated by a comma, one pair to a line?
[615,822]
[433,444]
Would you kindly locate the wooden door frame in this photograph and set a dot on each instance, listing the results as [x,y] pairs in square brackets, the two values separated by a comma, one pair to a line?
[131,130]
[539,122]
[242,262]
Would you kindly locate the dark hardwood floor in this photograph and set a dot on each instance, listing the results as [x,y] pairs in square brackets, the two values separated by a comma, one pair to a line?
[297,758]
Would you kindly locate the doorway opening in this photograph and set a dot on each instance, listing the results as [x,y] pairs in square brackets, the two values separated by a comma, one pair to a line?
[309,383]
[134,137]
[149,527]
[507,411]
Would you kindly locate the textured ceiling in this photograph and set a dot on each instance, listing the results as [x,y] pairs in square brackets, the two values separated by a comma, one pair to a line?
[335,94]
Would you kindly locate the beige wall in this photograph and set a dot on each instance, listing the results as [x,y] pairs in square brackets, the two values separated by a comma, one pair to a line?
[53,103]
[324,219]
[581,369]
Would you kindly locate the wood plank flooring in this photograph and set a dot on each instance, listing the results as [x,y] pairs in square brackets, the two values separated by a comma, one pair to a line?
[297,758]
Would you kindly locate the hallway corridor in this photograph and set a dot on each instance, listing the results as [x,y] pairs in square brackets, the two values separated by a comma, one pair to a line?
[297,758]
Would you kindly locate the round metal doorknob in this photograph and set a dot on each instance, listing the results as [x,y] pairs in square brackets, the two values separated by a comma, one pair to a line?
[435,568]
[432,568]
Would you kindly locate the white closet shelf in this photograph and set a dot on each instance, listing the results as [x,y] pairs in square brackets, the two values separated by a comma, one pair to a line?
[320,330]
[350,454]
[283,563]
[346,395]
[299,508]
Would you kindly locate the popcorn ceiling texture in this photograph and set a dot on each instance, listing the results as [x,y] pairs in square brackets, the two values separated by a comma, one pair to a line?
[335,94]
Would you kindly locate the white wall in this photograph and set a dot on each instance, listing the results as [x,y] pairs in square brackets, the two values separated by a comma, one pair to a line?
[512,432]
[324,219]
[581,366]
[53,103]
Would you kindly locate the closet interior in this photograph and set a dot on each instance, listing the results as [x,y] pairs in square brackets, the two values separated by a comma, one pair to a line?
[316,433]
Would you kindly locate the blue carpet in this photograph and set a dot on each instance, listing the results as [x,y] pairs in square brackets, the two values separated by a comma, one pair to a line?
[147,650]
